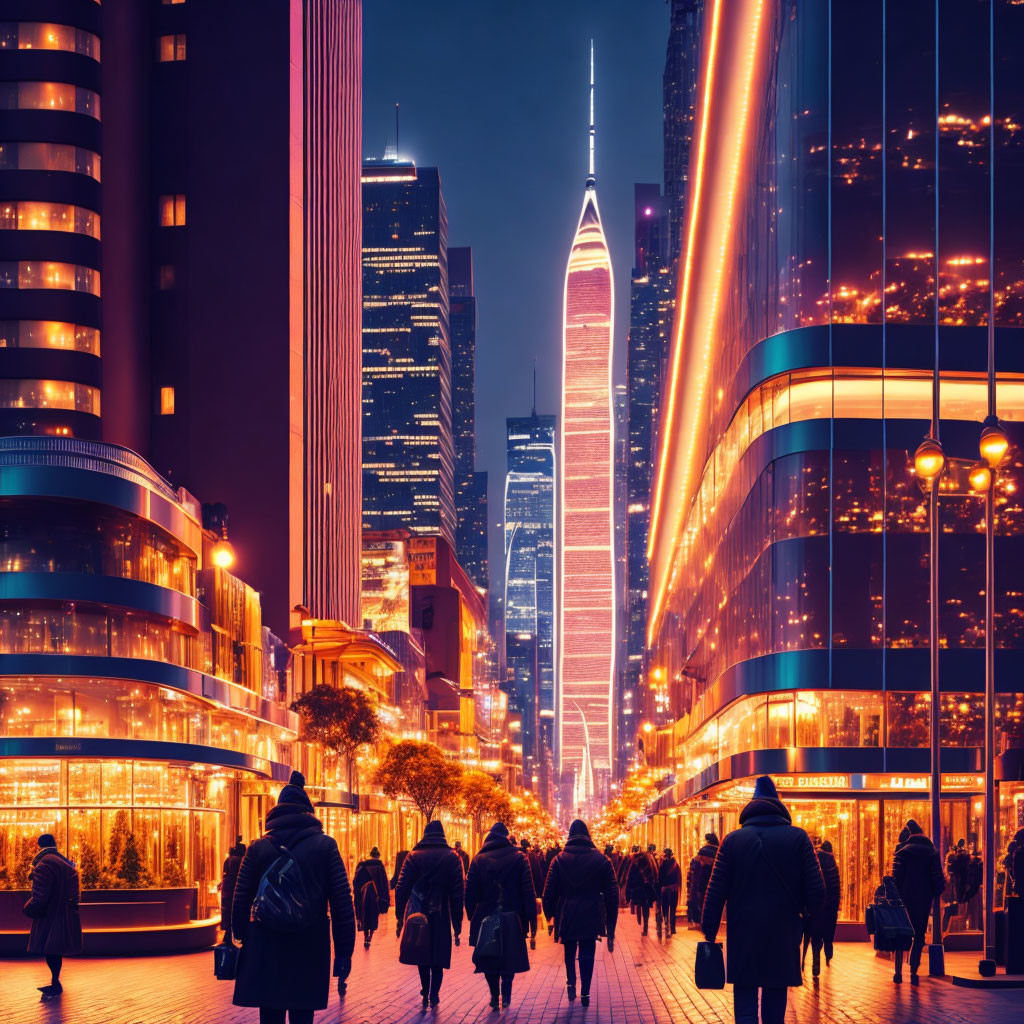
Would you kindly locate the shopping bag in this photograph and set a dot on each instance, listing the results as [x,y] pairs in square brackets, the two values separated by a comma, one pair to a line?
[709,969]
[225,961]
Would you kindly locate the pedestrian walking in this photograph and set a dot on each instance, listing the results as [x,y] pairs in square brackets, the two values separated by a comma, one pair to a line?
[1013,863]
[399,861]
[917,872]
[765,876]
[53,907]
[670,881]
[434,870]
[500,883]
[463,856]
[698,875]
[228,878]
[539,872]
[531,860]
[289,971]
[581,897]
[372,895]
[641,885]
[820,924]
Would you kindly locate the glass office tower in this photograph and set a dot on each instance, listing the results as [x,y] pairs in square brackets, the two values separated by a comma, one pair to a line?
[848,170]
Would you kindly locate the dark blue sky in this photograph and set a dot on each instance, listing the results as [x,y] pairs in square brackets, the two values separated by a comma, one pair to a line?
[495,95]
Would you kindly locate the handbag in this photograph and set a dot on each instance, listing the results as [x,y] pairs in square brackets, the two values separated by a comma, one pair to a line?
[890,925]
[225,961]
[709,967]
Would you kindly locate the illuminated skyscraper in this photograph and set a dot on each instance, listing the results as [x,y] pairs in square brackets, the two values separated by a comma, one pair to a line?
[408,452]
[586,563]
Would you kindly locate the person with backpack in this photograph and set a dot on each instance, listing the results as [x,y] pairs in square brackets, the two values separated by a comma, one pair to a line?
[765,876]
[917,872]
[820,925]
[581,898]
[372,895]
[670,881]
[53,907]
[428,907]
[287,881]
[501,905]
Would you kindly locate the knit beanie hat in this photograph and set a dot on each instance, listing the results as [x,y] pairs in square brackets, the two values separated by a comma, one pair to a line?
[295,792]
[434,830]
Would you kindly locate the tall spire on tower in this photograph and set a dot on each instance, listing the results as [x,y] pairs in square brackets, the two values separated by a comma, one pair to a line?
[590,178]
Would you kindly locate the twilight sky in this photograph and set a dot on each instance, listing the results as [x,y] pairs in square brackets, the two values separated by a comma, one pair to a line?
[495,95]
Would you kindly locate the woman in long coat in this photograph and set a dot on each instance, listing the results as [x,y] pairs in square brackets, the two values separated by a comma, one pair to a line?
[438,865]
[278,970]
[228,880]
[371,893]
[670,881]
[500,881]
[766,873]
[582,898]
[821,924]
[53,906]
[642,885]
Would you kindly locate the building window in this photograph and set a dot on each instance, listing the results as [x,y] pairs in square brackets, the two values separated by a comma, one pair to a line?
[49,334]
[167,401]
[49,394]
[172,211]
[170,48]
[49,96]
[171,3]
[40,35]
[165,279]
[29,215]
[45,274]
[49,156]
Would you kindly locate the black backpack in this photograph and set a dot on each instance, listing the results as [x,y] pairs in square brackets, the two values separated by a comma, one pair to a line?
[287,898]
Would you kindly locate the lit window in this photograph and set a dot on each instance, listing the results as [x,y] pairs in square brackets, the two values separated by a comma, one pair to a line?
[171,3]
[167,401]
[49,96]
[47,274]
[37,35]
[49,394]
[166,279]
[172,211]
[27,215]
[171,48]
[49,156]
[49,334]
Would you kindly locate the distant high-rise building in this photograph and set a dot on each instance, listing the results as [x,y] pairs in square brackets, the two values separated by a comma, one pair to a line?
[470,486]
[650,323]
[619,399]
[227,324]
[587,571]
[530,557]
[679,91]
[408,452]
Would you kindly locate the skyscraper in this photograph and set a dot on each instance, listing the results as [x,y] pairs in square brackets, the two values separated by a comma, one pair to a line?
[408,451]
[587,572]
[530,562]
[470,486]
[206,202]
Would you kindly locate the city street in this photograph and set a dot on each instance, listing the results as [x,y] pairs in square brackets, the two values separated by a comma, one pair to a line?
[643,981]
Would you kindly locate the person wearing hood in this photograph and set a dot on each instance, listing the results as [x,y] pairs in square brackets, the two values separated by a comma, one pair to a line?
[765,875]
[439,867]
[917,871]
[642,885]
[371,893]
[53,907]
[228,878]
[670,881]
[500,882]
[699,874]
[820,926]
[281,971]
[581,897]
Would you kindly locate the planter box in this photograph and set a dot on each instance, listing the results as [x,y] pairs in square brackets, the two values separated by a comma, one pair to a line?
[105,909]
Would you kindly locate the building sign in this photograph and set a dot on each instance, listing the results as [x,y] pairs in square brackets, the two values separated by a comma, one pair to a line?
[898,783]
[422,561]
[811,781]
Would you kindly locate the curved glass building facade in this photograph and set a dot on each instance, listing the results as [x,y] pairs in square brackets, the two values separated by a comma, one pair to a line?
[848,169]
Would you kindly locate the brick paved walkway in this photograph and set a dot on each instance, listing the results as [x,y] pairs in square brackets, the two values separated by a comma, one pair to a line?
[643,981]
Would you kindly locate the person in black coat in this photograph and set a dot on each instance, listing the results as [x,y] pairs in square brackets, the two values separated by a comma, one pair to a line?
[698,876]
[820,925]
[440,868]
[399,861]
[228,878]
[539,871]
[371,893]
[642,885]
[767,875]
[670,881]
[581,897]
[1013,862]
[917,871]
[500,882]
[290,971]
[463,856]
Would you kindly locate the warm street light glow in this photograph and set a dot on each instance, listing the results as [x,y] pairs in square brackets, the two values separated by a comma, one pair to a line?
[223,554]
[648,727]
[980,477]
[993,443]
[929,460]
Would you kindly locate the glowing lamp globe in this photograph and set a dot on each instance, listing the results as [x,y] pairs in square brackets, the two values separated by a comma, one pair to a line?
[223,554]
[993,443]
[980,477]
[929,460]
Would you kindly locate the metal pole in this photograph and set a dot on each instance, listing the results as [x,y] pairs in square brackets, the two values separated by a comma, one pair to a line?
[990,709]
[933,650]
